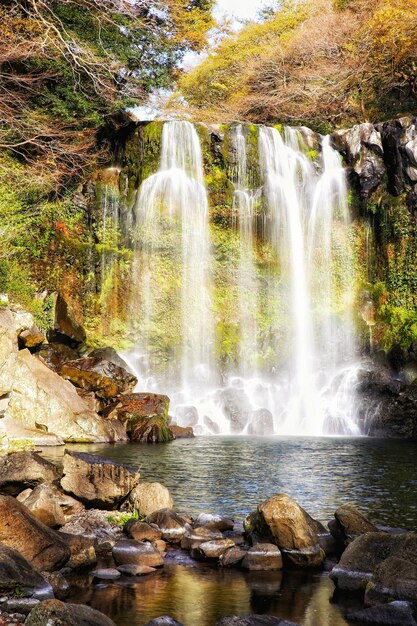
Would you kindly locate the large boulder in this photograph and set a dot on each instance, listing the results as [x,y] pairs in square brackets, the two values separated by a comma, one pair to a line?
[96,481]
[280,520]
[93,373]
[109,354]
[16,572]
[236,408]
[21,531]
[50,504]
[23,470]
[66,329]
[145,416]
[349,523]
[54,355]
[146,498]
[57,613]
[42,400]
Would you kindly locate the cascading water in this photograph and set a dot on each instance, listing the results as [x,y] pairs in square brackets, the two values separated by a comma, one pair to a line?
[293,371]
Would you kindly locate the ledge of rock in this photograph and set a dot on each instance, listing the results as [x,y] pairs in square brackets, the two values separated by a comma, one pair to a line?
[93,373]
[97,482]
[23,470]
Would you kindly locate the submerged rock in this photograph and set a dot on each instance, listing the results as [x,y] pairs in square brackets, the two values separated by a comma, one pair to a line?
[280,520]
[21,531]
[57,613]
[96,481]
[22,470]
[135,570]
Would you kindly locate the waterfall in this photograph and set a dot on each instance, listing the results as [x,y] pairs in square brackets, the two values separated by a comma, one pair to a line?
[172,259]
[291,275]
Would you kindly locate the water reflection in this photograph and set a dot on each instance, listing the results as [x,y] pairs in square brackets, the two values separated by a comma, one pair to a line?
[200,596]
[232,475]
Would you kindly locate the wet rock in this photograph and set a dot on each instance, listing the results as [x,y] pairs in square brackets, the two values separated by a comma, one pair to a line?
[182,432]
[133,407]
[54,355]
[58,583]
[106,379]
[232,557]
[211,425]
[263,556]
[82,550]
[160,545]
[395,577]
[56,613]
[236,407]
[93,524]
[152,430]
[39,399]
[130,552]
[171,524]
[147,498]
[193,537]
[31,338]
[211,549]
[66,330]
[261,423]
[106,573]
[23,470]
[37,543]
[215,522]
[349,524]
[283,522]
[254,620]
[163,621]
[136,570]
[395,613]
[108,354]
[17,572]
[96,481]
[20,605]
[141,531]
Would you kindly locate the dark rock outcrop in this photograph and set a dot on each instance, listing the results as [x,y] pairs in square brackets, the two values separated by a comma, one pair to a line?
[17,572]
[93,373]
[66,330]
[349,523]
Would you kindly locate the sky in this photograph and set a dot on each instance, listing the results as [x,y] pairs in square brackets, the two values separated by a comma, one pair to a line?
[240,8]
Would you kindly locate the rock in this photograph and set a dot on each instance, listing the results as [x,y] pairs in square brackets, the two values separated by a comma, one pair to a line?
[44,506]
[48,493]
[160,545]
[395,613]
[130,552]
[232,557]
[108,354]
[282,521]
[141,531]
[362,557]
[54,355]
[37,543]
[215,522]
[411,151]
[106,573]
[212,549]
[236,407]
[163,621]
[91,523]
[182,432]
[58,583]
[147,498]
[211,425]
[22,470]
[20,605]
[42,400]
[56,613]
[106,379]
[66,330]
[82,550]
[261,423]
[152,430]
[96,481]
[17,572]
[254,620]
[186,416]
[193,537]
[135,570]
[133,407]
[350,523]
[394,578]
[31,338]
[263,556]
[171,524]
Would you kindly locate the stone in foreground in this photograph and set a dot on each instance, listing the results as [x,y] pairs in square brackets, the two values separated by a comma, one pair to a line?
[280,520]
[96,481]
[164,620]
[212,549]
[147,498]
[130,552]
[216,522]
[38,544]
[135,570]
[23,470]
[141,531]
[349,523]
[254,620]
[17,573]
[50,504]
[171,524]
[392,614]
[56,613]
[263,557]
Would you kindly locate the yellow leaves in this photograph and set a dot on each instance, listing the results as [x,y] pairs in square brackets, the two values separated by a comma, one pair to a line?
[393,28]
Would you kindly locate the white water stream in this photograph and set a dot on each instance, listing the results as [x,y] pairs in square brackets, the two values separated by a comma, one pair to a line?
[299,213]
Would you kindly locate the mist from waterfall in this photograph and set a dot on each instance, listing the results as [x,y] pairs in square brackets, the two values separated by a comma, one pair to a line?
[295,209]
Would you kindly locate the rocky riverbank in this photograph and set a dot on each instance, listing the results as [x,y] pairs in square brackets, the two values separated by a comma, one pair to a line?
[54,390]
[98,517]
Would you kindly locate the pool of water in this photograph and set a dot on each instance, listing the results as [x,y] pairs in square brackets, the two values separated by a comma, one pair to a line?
[233,475]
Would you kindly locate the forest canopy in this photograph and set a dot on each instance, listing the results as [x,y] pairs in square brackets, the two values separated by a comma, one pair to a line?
[321,63]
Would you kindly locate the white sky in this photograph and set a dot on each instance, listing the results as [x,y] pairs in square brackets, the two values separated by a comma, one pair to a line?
[240,8]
